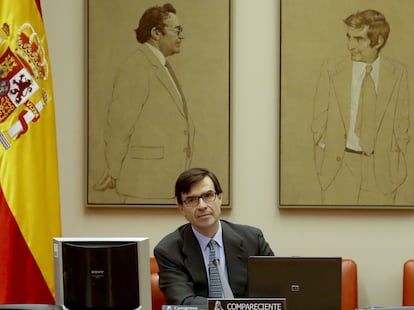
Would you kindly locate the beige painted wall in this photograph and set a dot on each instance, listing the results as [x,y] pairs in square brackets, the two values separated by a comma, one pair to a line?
[379,240]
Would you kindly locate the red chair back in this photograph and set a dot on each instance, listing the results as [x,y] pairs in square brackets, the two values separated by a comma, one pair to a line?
[408,283]
[157,296]
[349,285]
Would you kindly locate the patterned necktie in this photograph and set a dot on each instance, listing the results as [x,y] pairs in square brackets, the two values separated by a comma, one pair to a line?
[214,288]
[365,122]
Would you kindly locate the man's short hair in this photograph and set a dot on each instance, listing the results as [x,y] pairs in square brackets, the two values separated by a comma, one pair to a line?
[153,17]
[376,22]
[191,176]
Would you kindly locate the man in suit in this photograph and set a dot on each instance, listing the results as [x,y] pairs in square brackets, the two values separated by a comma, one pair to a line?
[360,148]
[183,255]
[149,133]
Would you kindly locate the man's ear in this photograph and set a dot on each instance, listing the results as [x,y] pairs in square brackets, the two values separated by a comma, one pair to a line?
[380,42]
[180,208]
[155,33]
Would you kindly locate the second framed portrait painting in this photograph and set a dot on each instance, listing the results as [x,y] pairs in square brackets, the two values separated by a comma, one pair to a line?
[158,98]
[346,94]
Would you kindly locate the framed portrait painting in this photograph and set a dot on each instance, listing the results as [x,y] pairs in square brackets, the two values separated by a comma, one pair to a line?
[346,88]
[158,98]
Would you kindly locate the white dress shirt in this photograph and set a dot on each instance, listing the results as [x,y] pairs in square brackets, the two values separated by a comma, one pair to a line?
[203,241]
[358,73]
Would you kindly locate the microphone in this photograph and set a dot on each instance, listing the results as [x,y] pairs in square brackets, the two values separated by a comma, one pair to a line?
[227,293]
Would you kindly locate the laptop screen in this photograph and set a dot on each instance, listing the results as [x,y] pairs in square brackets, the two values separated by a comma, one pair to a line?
[307,283]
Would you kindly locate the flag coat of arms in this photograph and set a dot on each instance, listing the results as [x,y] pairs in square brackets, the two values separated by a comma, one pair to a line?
[29,188]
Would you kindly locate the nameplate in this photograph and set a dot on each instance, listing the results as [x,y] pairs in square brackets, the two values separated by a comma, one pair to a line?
[247,304]
[179,307]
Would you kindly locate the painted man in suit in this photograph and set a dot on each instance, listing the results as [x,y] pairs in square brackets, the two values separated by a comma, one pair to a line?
[149,134]
[360,151]
[183,255]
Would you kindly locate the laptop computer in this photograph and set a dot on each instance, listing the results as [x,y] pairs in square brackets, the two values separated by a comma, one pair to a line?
[307,283]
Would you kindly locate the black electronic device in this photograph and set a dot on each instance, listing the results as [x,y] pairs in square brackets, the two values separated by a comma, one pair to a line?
[102,273]
[307,283]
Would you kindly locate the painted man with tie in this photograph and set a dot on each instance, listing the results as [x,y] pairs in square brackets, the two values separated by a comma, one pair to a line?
[149,134]
[361,119]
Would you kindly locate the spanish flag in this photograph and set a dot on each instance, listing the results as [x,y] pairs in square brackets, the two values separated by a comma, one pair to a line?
[29,189]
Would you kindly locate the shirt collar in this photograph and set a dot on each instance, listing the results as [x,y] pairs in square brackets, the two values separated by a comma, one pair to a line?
[160,56]
[360,66]
[203,240]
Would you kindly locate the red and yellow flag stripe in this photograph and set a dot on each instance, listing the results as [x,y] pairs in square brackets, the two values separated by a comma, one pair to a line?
[29,188]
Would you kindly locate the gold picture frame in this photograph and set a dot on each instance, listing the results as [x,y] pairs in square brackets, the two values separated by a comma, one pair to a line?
[202,68]
[314,34]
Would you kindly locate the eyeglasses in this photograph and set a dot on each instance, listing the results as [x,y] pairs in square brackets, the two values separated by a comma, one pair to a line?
[194,201]
[178,29]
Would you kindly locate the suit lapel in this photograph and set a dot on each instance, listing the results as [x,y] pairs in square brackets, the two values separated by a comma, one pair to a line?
[234,250]
[162,75]
[387,81]
[193,259]
[342,77]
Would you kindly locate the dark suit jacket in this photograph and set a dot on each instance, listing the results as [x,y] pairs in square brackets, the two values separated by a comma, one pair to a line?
[183,277]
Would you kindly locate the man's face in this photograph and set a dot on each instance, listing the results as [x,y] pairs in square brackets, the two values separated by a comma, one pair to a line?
[205,216]
[170,42]
[360,45]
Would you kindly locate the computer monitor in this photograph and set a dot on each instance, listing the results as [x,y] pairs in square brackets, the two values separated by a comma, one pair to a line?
[102,273]
[307,283]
